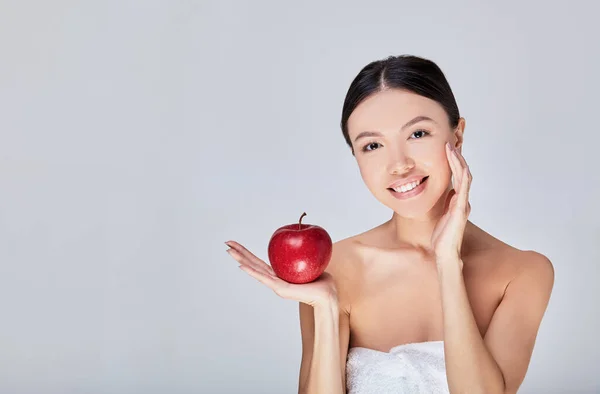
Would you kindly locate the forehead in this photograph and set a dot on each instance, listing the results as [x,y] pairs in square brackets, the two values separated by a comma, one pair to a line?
[392,108]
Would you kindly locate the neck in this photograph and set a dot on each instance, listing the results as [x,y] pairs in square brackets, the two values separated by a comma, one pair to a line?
[412,232]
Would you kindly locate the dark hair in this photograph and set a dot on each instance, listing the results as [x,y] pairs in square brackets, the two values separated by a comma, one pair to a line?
[407,72]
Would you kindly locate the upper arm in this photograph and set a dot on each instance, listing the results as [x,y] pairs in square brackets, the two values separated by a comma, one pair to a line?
[307,329]
[511,335]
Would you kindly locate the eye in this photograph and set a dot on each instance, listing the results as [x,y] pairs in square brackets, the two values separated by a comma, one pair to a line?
[421,132]
[364,149]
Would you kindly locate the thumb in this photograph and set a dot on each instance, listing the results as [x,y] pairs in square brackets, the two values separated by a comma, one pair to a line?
[451,194]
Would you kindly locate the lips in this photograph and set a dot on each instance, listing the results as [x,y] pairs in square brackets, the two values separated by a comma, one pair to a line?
[420,182]
[411,193]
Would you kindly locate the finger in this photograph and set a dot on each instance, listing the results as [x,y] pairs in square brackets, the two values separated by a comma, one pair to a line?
[463,198]
[464,164]
[461,159]
[274,283]
[451,193]
[460,165]
[258,263]
[260,276]
[467,175]
[250,256]
[453,166]
[245,261]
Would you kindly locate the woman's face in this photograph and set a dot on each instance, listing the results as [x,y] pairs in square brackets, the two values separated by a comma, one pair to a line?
[405,144]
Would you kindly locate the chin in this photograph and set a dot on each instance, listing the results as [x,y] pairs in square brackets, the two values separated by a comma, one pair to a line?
[413,212]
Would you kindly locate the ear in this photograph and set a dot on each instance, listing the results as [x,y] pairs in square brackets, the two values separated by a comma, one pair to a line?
[459,133]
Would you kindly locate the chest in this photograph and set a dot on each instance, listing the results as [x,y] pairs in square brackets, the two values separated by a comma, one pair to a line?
[399,300]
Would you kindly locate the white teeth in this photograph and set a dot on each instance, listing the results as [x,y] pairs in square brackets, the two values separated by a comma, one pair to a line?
[407,187]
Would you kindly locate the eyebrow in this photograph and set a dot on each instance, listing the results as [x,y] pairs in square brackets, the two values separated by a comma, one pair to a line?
[408,124]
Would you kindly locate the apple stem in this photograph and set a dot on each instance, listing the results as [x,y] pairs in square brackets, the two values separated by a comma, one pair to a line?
[300,221]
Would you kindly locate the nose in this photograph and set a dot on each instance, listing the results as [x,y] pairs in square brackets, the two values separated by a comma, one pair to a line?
[400,163]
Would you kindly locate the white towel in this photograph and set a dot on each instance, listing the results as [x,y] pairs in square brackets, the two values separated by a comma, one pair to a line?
[410,368]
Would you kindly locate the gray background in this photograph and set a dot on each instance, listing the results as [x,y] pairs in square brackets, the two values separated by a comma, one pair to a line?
[137,137]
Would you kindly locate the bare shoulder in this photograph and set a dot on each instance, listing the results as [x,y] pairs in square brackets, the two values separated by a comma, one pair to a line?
[342,266]
[517,261]
[344,255]
[536,266]
[530,282]
[502,264]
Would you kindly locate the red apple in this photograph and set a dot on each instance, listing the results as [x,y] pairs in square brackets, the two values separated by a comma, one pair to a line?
[299,253]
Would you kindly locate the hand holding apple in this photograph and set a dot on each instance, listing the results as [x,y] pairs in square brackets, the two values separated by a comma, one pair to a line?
[321,292]
[298,252]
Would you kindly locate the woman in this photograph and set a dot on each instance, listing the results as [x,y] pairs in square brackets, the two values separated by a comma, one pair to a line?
[426,302]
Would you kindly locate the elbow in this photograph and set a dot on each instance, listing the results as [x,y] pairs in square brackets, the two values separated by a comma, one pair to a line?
[483,388]
[498,389]
[303,388]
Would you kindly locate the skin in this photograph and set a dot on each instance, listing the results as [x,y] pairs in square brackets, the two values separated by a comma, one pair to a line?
[388,286]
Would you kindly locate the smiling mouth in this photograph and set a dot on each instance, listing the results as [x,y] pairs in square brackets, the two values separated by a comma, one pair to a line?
[420,183]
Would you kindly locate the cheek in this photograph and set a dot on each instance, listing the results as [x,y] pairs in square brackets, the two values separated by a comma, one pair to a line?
[434,161]
[366,174]
[436,165]
[369,172]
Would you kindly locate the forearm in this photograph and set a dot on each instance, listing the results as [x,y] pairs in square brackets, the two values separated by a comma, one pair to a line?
[470,368]
[325,369]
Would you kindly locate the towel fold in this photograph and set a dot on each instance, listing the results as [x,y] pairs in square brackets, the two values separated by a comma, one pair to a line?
[410,368]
